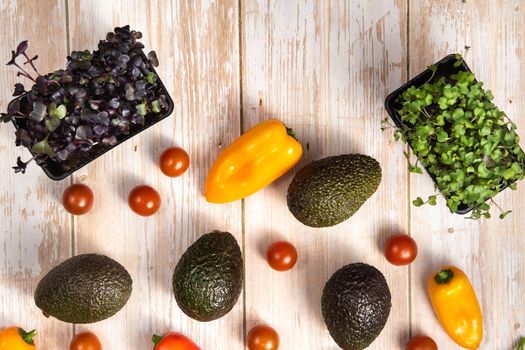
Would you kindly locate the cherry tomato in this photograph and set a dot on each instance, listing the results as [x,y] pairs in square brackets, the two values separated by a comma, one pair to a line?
[400,249]
[174,162]
[77,199]
[263,338]
[85,341]
[144,200]
[174,341]
[281,256]
[421,342]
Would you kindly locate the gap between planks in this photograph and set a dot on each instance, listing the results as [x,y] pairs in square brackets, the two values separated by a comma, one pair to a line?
[409,207]
[240,41]
[71,179]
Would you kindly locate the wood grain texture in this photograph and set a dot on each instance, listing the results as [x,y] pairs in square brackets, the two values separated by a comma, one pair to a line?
[197,46]
[323,68]
[490,251]
[35,233]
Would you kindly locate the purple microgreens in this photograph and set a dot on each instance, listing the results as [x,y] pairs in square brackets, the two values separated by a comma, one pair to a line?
[95,101]
[39,111]
[19,89]
[43,147]
[21,50]
[152,56]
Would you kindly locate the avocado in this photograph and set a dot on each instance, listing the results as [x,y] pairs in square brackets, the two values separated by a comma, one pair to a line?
[84,289]
[208,278]
[356,304]
[330,190]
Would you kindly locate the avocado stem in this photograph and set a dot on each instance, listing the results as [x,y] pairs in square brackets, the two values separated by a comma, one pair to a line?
[444,276]
[27,336]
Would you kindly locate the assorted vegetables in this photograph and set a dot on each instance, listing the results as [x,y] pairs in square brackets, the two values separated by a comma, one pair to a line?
[15,338]
[85,341]
[253,161]
[456,306]
[468,145]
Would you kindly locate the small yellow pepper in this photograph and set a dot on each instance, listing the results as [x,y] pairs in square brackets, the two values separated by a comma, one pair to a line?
[253,161]
[456,306]
[15,338]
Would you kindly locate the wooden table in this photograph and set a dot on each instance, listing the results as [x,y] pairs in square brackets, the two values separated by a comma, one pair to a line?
[324,68]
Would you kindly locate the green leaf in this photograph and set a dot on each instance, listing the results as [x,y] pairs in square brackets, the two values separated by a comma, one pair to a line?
[418,202]
[43,147]
[508,173]
[442,136]
[432,200]
[151,78]
[415,169]
[484,131]
[141,109]
[521,343]
[52,123]
[504,214]
[483,171]
[57,112]
[155,106]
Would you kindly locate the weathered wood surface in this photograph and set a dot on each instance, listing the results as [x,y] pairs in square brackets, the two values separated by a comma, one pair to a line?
[324,68]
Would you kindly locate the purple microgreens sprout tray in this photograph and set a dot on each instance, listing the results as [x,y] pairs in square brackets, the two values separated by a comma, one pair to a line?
[72,116]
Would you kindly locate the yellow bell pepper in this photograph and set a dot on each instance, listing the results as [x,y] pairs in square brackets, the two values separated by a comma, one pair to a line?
[253,161]
[456,306]
[14,338]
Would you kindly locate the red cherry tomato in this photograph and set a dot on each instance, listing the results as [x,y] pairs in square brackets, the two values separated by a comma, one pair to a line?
[144,200]
[421,342]
[85,341]
[77,199]
[281,256]
[400,250]
[263,338]
[174,341]
[174,162]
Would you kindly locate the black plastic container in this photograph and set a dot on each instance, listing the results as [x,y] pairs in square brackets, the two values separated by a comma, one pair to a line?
[445,67]
[60,170]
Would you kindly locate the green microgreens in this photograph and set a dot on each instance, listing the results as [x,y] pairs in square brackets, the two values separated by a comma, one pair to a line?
[457,133]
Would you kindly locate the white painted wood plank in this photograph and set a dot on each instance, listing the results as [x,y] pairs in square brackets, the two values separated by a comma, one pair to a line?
[197,45]
[490,251]
[35,232]
[323,68]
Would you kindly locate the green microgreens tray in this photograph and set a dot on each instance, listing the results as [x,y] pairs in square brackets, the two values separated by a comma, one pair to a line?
[502,163]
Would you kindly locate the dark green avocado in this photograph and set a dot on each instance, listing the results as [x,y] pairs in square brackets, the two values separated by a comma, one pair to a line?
[208,279]
[84,289]
[330,190]
[356,303]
